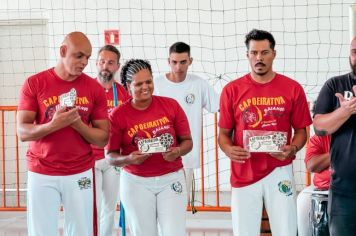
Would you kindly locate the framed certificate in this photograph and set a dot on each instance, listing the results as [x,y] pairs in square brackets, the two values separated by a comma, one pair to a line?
[264,141]
[68,99]
[157,144]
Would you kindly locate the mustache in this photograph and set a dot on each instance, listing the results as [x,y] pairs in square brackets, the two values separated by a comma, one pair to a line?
[107,71]
[260,64]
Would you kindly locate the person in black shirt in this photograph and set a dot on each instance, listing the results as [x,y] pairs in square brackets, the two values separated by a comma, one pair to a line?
[335,114]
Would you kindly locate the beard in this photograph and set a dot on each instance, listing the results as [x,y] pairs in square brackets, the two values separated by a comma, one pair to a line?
[353,67]
[105,76]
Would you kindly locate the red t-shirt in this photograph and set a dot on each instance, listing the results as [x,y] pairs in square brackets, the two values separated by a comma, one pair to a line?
[319,145]
[63,152]
[122,97]
[128,125]
[277,105]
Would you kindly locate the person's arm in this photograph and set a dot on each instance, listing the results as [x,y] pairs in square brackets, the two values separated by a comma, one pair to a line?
[185,146]
[98,134]
[318,163]
[28,131]
[114,158]
[325,124]
[298,141]
[235,153]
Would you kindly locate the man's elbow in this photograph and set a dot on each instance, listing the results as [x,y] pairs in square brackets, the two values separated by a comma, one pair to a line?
[102,140]
[190,145]
[22,137]
[319,129]
[311,169]
[320,132]
[102,143]
[314,169]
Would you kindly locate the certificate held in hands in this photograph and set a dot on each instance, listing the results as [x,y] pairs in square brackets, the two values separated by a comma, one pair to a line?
[156,145]
[68,99]
[264,141]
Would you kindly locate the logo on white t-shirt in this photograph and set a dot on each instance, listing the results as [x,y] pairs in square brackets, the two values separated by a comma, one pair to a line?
[190,98]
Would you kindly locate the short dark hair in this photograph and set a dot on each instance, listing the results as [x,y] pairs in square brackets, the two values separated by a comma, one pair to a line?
[179,47]
[110,48]
[259,35]
[132,67]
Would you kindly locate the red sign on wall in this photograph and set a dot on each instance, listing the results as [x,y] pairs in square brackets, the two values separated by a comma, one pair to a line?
[111,37]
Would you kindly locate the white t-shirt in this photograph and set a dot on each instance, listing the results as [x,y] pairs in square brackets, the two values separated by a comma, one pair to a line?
[193,94]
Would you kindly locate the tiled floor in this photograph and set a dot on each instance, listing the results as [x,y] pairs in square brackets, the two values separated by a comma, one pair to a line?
[199,224]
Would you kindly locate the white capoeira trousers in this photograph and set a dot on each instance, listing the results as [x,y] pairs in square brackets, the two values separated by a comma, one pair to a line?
[107,181]
[46,193]
[149,201]
[189,176]
[277,192]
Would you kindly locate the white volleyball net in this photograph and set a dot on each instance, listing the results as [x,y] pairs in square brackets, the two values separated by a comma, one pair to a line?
[312,45]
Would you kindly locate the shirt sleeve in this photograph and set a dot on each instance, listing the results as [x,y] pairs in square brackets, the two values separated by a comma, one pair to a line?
[100,109]
[314,148]
[28,96]
[226,120]
[301,115]
[326,101]
[210,97]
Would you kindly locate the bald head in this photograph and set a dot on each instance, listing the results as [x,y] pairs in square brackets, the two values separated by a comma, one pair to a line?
[75,52]
[353,43]
[352,57]
[75,38]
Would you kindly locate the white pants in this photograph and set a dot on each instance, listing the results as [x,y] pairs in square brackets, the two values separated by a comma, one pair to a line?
[303,209]
[107,180]
[189,173]
[151,200]
[277,192]
[45,193]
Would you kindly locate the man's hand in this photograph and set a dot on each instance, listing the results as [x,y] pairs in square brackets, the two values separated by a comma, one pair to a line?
[64,117]
[288,151]
[237,154]
[349,106]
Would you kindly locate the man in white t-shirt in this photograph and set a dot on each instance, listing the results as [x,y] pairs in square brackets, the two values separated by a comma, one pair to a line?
[192,93]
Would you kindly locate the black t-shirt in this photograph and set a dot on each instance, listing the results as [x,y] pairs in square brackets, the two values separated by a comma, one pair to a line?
[343,141]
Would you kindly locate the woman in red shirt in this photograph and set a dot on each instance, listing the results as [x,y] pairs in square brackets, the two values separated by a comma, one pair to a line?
[148,136]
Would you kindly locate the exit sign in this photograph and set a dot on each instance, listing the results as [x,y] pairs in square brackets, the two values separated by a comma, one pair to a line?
[111,37]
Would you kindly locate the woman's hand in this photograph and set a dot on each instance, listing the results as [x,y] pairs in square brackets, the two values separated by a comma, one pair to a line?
[137,158]
[172,154]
